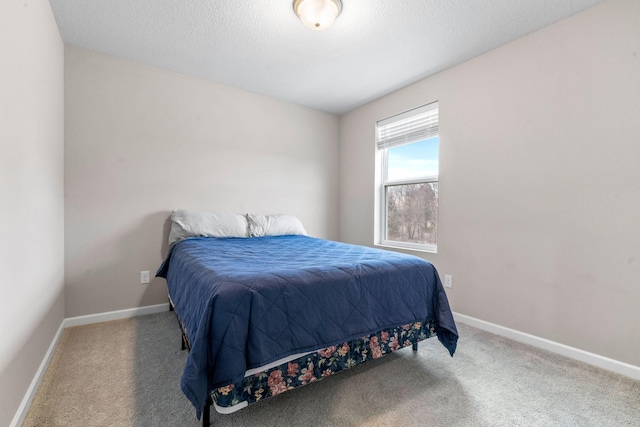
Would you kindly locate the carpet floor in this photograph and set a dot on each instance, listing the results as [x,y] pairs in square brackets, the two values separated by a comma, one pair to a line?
[127,373]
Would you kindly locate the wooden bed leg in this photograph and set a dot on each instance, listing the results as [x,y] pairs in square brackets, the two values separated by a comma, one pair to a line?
[206,420]
[414,346]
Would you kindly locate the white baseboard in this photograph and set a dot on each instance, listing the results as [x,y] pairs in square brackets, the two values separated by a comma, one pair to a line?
[115,315]
[564,350]
[21,413]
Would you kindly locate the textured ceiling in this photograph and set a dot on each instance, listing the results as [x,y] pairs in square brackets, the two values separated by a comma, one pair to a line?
[374,47]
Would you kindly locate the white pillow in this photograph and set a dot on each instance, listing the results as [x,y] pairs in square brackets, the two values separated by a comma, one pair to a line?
[186,223]
[274,225]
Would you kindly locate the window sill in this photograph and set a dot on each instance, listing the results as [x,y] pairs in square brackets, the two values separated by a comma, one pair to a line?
[406,248]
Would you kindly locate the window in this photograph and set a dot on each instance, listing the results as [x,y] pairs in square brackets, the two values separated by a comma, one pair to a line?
[407,176]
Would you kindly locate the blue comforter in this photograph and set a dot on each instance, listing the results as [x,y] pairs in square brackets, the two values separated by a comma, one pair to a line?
[246,302]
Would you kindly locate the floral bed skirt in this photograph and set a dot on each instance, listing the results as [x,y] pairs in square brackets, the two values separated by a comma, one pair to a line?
[316,366]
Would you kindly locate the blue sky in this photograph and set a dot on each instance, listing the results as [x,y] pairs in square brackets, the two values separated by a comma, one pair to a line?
[413,160]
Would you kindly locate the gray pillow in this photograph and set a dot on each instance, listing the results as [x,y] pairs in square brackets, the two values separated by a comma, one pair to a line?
[187,223]
[274,225]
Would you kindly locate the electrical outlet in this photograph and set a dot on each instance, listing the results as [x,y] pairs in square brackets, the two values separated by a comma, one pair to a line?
[448,281]
[144,277]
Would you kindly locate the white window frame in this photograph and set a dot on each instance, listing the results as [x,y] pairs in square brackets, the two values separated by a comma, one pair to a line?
[420,132]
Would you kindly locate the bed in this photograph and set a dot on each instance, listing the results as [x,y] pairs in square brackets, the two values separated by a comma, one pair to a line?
[266,312]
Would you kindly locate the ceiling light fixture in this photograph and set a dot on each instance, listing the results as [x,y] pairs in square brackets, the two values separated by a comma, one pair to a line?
[317,14]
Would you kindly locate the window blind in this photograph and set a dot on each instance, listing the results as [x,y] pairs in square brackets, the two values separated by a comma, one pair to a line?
[408,127]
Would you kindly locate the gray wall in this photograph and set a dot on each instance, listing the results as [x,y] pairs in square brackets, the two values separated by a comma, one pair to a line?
[31,194]
[540,180]
[140,141]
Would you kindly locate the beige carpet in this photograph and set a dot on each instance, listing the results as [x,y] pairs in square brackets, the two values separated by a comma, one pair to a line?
[105,375]
[127,373]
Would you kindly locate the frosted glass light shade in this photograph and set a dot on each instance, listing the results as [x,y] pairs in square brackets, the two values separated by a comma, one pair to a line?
[317,14]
